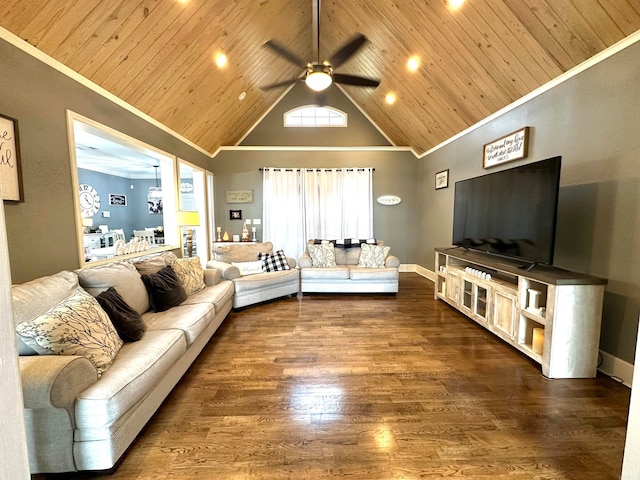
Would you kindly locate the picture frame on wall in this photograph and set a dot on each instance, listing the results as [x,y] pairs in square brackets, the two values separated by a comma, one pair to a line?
[235,214]
[513,146]
[117,200]
[10,168]
[442,179]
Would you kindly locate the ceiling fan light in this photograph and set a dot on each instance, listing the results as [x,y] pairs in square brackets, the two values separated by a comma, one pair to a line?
[318,81]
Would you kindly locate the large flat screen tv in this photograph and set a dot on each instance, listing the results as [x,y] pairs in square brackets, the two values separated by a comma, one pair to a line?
[511,212]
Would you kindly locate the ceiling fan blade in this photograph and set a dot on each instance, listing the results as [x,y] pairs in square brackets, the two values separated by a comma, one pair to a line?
[355,80]
[283,52]
[281,84]
[351,47]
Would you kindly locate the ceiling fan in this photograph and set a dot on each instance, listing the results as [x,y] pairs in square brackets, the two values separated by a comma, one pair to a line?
[320,75]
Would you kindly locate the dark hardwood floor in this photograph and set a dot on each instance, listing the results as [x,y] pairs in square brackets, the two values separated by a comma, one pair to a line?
[375,387]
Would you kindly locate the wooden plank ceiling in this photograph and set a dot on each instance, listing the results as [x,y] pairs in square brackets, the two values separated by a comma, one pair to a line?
[158,55]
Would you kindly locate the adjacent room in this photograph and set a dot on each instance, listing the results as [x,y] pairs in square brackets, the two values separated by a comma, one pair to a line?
[319,239]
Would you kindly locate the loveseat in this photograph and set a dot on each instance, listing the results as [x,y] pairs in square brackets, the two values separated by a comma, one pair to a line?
[85,405]
[348,266]
[258,273]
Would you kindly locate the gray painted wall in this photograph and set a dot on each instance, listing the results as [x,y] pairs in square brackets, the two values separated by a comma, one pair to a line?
[271,131]
[41,231]
[593,121]
[135,215]
[395,170]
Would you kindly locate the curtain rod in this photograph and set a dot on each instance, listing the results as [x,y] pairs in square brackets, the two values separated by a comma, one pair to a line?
[316,169]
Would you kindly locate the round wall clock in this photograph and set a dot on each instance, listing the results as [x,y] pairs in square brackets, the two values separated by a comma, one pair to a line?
[89,200]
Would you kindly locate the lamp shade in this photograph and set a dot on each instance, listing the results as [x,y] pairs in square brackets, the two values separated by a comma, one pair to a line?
[318,81]
[87,222]
[188,219]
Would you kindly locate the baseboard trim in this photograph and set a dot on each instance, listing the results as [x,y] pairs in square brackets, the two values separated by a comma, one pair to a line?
[611,366]
[616,368]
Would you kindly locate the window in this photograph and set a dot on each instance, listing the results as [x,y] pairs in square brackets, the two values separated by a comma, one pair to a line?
[313,116]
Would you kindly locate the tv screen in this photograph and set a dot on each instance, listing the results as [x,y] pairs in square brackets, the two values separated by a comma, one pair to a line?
[511,212]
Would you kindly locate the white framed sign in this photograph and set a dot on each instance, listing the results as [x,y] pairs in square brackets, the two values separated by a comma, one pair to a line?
[239,196]
[10,169]
[512,146]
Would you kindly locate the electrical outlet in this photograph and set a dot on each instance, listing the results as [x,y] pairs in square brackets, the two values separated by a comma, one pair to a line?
[256,221]
[106,214]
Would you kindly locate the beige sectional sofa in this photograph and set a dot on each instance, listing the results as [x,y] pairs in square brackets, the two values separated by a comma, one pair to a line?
[253,285]
[348,267]
[79,418]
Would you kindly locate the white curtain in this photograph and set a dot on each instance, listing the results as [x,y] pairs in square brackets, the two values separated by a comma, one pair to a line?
[316,203]
[282,211]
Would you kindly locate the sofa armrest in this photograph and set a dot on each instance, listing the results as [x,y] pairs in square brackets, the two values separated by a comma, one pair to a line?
[227,271]
[305,261]
[55,381]
[392,261]
[212,276]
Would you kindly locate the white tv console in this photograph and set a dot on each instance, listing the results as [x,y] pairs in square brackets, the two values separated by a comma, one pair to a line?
[500,295]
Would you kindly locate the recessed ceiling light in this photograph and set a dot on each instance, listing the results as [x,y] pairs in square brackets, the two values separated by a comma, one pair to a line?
[454,4]
[413,63]
[242,96]
[390,98]
[220,59]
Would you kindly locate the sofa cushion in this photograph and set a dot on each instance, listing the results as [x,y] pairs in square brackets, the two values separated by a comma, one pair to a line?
[192,319]
[274,262]
[190,273]
[339,272]
[126,320]
[246,252]
[77,326]
[218,295]
[165,289]
[249,268]
[122,276]
[38,296]
[372,256]
[153,263]
[322,255]
[136,370]
[372,274]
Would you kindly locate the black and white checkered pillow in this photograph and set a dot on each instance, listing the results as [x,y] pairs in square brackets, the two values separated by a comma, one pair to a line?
[273,262]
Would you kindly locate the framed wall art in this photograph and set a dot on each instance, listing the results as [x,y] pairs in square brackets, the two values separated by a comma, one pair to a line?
[239,196]
[512,146]
[10,169]
[117,200]
[442,179]
[235,214]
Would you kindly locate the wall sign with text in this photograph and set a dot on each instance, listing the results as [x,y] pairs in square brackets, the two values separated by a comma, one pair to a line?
[513,146]
[10,170]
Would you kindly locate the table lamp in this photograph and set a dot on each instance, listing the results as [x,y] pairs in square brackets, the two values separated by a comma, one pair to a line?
[189,220]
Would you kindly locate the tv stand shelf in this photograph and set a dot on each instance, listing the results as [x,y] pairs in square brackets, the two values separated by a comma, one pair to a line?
[551,315]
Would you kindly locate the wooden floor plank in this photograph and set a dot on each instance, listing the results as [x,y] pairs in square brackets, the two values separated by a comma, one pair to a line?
[375,387]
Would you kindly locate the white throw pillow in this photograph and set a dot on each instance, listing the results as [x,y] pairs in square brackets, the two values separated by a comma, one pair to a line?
[322,255]
[76,326]
[372,256]
[249,268]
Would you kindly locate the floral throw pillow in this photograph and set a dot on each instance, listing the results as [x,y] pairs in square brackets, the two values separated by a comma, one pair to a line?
[274,262]
[76,326]
[372,256]
[190,273]
[322,255]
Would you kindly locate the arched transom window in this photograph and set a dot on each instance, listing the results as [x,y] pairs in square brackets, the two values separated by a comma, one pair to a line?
[314,116]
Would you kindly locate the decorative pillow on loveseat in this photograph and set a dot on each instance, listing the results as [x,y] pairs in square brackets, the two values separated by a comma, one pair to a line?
[249,268]
[322,255]
[76,326]
[274,262]
[165,289]
[373,256]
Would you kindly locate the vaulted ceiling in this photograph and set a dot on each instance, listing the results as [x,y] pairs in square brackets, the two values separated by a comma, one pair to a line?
[158,55]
